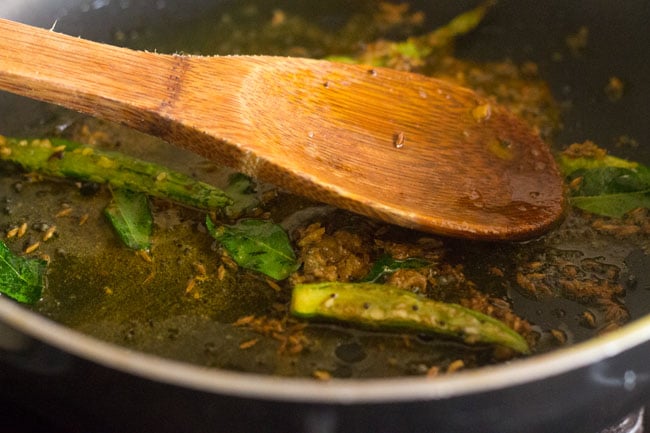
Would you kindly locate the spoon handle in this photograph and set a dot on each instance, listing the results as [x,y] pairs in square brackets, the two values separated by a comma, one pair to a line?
[101,80]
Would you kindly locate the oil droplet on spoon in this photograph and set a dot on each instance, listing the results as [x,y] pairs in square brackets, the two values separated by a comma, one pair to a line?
[482,112]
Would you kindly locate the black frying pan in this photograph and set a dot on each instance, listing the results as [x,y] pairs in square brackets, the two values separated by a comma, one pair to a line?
[51,376]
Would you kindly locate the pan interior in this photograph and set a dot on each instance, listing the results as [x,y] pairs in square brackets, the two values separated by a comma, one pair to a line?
[165,307]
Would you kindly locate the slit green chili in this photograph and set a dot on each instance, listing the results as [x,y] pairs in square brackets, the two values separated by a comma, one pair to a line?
[63,158]
[386,307]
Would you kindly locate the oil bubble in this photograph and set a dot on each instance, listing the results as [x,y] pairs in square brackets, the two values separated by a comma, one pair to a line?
[350,352]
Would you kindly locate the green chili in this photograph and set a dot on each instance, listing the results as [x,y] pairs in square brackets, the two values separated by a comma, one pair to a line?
[62,158]
[386,307]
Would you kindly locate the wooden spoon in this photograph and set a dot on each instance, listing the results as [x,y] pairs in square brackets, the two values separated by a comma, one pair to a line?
[401,147]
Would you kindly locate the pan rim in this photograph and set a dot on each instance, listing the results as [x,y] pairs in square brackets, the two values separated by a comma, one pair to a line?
[335,391]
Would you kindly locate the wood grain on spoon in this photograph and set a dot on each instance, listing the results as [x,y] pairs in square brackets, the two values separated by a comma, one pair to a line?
[401,147]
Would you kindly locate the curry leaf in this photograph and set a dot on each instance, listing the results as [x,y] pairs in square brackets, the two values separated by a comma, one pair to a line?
[612,205]
[259,245]
[21,278]
[386,264]
[607,186]
[131,217]
[241,189]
